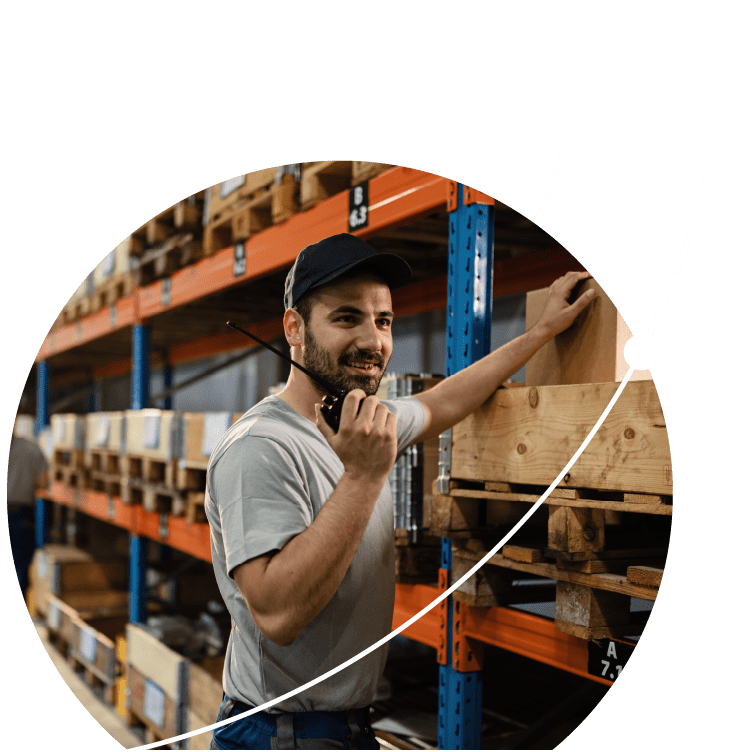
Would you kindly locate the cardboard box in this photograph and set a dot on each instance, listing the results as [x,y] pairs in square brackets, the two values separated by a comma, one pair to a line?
[590,351]
[73,575]
[105,432]
[199,434]
[151,433]
[158,682]
[68,432]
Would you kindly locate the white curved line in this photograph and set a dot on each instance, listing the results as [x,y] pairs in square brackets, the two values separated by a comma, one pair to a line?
[427,608]
[707,169]
[585,443]
[571,114]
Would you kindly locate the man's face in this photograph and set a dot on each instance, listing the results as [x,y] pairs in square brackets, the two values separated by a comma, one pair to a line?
[348,338]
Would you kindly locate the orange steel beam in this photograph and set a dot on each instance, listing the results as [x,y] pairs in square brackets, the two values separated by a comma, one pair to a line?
[191,538]
[91,327]
[410,600]
[529,635]
[471,196]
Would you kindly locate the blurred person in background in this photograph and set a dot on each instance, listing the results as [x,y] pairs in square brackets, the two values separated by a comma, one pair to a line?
[27,473]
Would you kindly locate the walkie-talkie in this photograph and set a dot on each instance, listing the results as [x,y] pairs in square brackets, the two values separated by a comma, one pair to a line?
[332,402]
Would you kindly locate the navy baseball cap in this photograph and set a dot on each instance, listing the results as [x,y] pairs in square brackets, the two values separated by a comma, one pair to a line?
[322,262]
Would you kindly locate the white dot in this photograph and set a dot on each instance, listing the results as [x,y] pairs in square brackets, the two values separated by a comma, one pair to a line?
[641,353]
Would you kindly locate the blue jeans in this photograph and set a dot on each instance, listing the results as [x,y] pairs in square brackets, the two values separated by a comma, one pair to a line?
[22,542]
[343,729]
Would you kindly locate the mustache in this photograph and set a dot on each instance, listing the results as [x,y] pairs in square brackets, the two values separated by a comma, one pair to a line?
[361,356]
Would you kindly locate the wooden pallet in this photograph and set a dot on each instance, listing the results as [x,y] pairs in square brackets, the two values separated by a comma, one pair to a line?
[321,180]
[251,185]
[185,478]
[362,171]
[417,563]
[72,458]
[238,222]
[76,477]
[75,310]
[184,216]
[195,508]
[592,598]
[102,460]
[176,252]
[156,497]
[110,483]
[146,469]
[111,291]
[471,506]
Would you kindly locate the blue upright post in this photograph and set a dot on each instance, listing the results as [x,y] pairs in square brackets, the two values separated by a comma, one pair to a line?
[139,400]
[141,380]
[468,319]
[167,379]
[138,561]
[41,509]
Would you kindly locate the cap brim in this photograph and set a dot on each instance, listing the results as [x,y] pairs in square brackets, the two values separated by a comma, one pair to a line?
[394,269]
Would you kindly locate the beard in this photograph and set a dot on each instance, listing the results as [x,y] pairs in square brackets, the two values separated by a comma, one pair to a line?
[320,361]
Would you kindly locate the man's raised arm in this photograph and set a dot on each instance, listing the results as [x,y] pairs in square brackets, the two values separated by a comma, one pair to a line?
[457,396]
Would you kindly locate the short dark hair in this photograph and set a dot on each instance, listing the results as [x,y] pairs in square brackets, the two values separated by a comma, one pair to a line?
[304,306]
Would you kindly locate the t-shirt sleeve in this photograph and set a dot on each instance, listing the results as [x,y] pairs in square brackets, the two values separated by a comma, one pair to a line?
[261,498]
[410,419]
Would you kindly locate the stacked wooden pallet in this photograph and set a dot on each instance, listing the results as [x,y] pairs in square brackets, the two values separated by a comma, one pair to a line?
[603,533]
[165,456]
[242,206]
[167,242]
[67,462]
[321,180]
[111,278]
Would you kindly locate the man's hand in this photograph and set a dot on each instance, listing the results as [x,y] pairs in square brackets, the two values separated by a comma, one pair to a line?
[558,314]
[366,440]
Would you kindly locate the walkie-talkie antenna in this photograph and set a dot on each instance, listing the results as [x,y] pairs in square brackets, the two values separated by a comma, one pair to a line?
[332,405]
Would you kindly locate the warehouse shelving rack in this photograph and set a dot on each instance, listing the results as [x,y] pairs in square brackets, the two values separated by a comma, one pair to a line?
[148,327]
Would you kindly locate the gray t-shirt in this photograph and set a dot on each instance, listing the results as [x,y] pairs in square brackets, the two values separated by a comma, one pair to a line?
[25,464]
[268,478]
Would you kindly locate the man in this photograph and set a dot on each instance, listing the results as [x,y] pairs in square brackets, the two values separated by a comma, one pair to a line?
[27,472]
[301,517]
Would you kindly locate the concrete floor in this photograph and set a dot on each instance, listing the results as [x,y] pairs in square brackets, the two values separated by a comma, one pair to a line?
[104,714]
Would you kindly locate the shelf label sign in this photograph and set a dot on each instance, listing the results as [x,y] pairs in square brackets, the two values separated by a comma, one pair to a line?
[230,186]
[153,703]
[87,644]
[358,206]
[239,266]
[53,617]
[607,658]
[102,430]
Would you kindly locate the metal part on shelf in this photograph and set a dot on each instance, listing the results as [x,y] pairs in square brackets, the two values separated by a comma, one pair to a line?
[406,478]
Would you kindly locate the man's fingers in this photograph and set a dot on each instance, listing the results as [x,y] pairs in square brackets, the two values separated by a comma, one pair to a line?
[323,426]
[584,299]
[352,404]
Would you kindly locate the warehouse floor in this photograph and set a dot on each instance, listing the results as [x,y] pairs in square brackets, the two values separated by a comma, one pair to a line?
[102,713]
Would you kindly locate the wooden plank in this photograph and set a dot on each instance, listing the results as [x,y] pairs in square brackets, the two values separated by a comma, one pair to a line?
[641,575]
[613,582]
[589,607]
[576,530]
[153,659]
[527,435]
[521,553]
[205,690]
